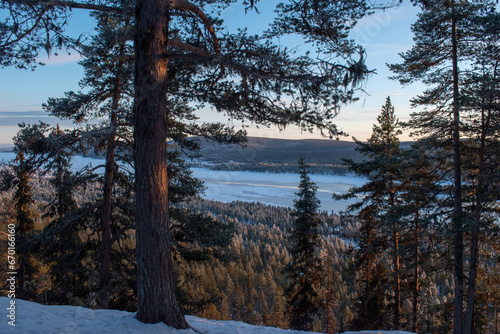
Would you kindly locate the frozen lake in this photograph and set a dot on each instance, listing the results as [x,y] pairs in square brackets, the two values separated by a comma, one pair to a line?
[269,188]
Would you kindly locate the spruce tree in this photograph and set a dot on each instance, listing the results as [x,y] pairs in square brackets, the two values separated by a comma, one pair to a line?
[378,206]
[27,145]
[305,271]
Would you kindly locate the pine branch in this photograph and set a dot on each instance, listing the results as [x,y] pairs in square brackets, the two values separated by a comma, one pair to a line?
[72,4]
[188,6]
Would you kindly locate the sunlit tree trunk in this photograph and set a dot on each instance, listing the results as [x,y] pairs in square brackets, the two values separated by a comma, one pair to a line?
[155,283]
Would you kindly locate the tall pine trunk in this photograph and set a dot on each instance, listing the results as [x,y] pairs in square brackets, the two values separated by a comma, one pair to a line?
[457,189]
[155,283]
[397,278]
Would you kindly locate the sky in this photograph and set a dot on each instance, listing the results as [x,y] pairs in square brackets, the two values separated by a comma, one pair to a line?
[383,35]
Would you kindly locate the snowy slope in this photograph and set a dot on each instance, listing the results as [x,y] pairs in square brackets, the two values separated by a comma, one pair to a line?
[34,318]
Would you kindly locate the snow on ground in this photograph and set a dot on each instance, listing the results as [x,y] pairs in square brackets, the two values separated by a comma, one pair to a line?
[33,318]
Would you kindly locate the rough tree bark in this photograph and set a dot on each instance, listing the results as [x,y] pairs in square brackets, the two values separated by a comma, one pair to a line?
[155,288]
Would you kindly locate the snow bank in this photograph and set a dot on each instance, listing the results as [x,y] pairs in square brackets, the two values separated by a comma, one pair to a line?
[34,318]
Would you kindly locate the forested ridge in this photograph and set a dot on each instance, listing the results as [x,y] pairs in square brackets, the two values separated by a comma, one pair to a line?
[278,155]
[245,281]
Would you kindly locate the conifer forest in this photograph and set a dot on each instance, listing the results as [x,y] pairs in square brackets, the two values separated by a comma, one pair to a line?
[416,249]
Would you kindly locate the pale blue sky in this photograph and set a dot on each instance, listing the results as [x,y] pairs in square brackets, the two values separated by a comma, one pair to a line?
[383,35]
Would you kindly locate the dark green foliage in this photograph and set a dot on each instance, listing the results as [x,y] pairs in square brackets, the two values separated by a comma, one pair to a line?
[380,222]
[198,237]
[305,271]
[372,276]
[28,144]
[62,243]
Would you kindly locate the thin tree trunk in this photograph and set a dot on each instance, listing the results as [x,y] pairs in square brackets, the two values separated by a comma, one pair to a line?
[396,265]
[416,274]
[104,295]
[496,321]
[397,278]
[22,228]
[480,194]
[457,188]
[155,284]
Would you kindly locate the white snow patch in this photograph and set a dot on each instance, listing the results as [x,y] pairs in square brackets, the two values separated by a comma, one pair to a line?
[40,319]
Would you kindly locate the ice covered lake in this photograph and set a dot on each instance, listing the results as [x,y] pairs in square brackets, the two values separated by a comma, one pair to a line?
[268,188]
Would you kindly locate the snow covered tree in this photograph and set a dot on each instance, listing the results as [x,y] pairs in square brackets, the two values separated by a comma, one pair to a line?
[305,272]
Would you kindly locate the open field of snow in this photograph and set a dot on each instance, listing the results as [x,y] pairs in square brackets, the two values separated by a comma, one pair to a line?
[33,318]
[268,188]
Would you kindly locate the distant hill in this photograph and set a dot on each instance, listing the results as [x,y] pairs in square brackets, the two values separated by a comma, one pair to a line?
[279,155]
[6,148]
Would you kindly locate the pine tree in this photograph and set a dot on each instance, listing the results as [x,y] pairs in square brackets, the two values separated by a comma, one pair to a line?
[305,271]
[446,40]
[420,204]
[372,275]
[481,149]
